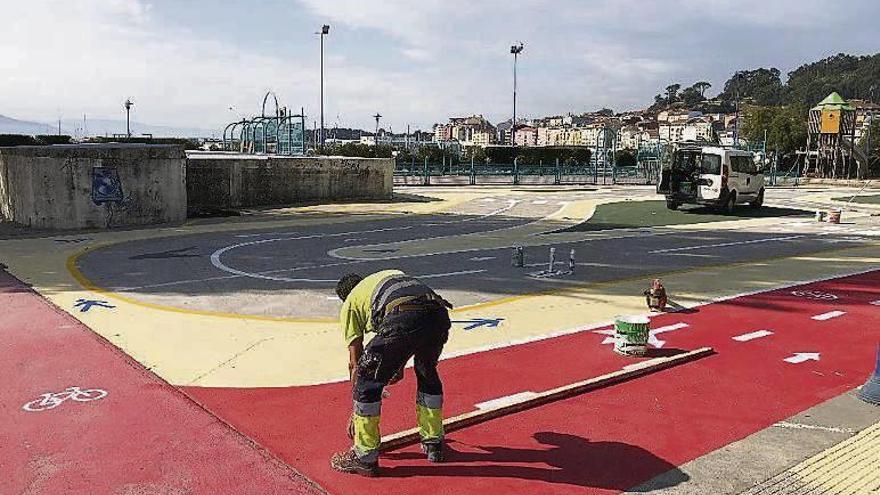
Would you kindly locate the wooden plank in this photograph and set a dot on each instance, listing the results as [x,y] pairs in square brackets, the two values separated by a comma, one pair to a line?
[411,436]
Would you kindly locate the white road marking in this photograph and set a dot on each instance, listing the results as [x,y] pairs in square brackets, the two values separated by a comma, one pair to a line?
[726,244]
[449,274]
[752,336]
[876,303]
[506,400]
[540,202]
[829,315]
[801,426]
[487,200]
[800,357]
[482,258]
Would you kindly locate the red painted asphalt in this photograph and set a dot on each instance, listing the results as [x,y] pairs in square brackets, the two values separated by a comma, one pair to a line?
[143,437]
[605,441]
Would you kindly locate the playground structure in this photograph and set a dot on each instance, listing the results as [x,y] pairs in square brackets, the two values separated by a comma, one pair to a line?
[281,133]
[831,151]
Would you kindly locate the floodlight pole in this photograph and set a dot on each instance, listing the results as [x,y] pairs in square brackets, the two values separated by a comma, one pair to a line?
[376,137]
[515,50]
[128,105]
[325,29]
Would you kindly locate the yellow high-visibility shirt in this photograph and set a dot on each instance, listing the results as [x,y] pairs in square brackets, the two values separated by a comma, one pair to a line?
[355,315]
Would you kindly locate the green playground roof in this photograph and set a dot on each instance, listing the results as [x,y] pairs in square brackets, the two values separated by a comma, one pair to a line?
[833,102]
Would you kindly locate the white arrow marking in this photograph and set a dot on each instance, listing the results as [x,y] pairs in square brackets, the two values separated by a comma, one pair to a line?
[876,303]
[652,334]
[752,336]
[800,357]
[829,315]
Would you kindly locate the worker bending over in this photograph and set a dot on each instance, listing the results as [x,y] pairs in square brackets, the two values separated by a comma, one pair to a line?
[409,319]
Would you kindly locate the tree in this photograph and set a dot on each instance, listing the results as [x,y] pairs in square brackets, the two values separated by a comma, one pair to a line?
[691,96]
[786,126]
[625,158]
[702,86]
[672,93]
[761,86]
[874,151]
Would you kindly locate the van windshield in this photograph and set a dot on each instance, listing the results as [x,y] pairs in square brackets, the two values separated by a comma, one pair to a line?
[710,164]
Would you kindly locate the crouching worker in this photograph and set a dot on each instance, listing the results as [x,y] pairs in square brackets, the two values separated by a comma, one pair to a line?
[656,296]
[409,319]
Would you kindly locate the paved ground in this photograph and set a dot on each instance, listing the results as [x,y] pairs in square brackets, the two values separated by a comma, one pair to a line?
[238,313]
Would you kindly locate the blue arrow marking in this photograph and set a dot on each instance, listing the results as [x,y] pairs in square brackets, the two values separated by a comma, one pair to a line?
[479,322]
[85,305]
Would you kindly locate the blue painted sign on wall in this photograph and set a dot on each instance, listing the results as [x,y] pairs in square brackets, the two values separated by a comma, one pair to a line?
[106,187]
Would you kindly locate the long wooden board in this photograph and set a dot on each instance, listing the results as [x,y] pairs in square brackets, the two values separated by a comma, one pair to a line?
[411,436]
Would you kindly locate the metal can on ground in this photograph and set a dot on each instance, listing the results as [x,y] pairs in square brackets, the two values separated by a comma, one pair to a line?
[631,335]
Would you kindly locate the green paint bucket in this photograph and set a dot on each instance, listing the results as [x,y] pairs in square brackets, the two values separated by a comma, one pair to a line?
[631,335]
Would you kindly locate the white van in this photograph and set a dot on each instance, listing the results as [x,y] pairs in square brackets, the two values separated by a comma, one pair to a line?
[712,175]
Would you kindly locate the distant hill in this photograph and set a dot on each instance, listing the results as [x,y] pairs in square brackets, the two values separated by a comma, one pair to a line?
[8,125]
[100,127]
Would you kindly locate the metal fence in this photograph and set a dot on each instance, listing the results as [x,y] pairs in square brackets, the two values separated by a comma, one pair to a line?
[426,173]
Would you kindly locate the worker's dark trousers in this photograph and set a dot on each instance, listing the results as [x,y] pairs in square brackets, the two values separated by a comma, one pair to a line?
[403,334]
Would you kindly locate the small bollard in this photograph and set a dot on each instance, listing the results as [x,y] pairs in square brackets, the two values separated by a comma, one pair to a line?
[820,216]
[552,260]
[518,258]
[571,261]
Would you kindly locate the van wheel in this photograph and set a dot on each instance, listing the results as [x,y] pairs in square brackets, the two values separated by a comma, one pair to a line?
[759,201]
[672,205]
[730,206]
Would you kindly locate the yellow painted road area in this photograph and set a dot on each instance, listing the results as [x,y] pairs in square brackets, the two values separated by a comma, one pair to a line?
[851,467]
[208,349]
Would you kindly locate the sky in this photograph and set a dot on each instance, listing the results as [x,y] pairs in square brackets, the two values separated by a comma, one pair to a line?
[201,63]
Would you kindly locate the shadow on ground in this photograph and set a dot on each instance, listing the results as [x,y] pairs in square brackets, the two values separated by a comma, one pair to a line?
[634,214]
[561,458]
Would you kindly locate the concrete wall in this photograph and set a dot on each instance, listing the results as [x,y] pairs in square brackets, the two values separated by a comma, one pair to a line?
[54,187]
[231,180]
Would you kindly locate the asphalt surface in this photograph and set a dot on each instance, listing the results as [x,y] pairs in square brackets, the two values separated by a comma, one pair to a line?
[292,273]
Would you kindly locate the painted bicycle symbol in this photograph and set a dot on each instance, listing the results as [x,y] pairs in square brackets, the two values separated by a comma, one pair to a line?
[51,401]
[814,294]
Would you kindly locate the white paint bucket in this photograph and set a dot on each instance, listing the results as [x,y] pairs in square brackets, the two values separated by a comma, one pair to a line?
[631,335]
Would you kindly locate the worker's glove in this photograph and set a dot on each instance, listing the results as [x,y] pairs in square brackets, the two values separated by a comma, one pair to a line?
[351,427]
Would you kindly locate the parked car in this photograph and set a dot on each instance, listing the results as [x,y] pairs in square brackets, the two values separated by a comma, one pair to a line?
[713,176]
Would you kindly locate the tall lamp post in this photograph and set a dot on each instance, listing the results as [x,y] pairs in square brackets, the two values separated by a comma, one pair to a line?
[325,30]
[376,136]
[128,105]
[515,50]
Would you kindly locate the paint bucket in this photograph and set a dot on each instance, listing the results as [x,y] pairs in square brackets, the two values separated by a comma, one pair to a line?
[631,335]
[834,216]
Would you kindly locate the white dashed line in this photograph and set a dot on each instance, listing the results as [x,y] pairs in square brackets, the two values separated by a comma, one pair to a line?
[725,244]
[482,258]
[829,315]
[752,336]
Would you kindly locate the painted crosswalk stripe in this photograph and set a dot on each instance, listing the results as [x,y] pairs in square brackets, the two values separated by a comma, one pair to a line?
[752,335]
[829,315]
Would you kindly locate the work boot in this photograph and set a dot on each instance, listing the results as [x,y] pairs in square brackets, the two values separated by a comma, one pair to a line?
[434,451]
[348,462]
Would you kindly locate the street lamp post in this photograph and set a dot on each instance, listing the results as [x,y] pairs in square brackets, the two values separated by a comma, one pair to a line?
[515,50]
[325,30]
[376,136]
[128,105]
